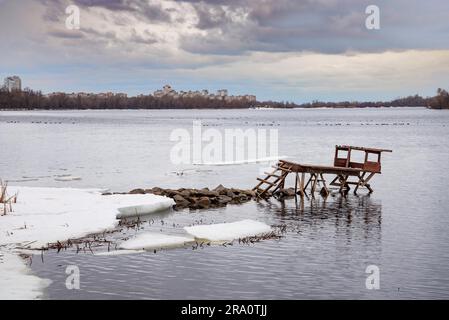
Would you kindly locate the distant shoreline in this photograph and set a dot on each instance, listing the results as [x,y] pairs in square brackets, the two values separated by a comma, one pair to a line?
[216,109]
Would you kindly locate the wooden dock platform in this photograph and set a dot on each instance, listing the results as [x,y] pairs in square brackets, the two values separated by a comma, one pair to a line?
[344,171]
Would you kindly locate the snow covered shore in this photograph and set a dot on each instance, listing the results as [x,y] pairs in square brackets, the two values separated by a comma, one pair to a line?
[48,215]
[44,215]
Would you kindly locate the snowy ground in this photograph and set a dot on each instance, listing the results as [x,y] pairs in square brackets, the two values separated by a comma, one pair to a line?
[44,215]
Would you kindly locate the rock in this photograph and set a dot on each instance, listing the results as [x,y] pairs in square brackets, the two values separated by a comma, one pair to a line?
[201,198]
[203,202]
[171,193]
[185,193]
[324,192]
[106,194]
[180,201]
[213,194]
[249,193]
[157,191]
[290,192]
[236,200]
[194,192]
[193,200]
[223,200]
[230,194]
[221,190]
[137,191]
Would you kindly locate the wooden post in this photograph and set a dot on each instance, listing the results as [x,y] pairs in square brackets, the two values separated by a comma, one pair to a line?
[303,177]
[296,183]
[348,159]
[314,184]
[360,182]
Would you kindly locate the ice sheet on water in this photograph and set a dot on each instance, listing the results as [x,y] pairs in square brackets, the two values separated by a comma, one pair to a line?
[148,204]
[118,252]
[228,231]
[155,241]
[240,162]
[67,178]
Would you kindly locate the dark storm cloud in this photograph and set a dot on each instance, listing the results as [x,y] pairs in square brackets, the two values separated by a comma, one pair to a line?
[108,4]
[318,25]
[328,26]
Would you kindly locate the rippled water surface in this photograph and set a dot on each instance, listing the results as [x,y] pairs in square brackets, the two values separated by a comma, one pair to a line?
[402,227]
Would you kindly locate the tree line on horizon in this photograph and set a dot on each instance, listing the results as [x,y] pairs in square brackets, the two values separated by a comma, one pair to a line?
[29,99]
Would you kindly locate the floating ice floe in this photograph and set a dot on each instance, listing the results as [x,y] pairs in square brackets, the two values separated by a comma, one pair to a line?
[146,206]
[67,178]
[228,231]
[155,241]
[118,252]
[239,162]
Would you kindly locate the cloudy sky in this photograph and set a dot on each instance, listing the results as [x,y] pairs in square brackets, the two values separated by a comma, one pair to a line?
[292,50]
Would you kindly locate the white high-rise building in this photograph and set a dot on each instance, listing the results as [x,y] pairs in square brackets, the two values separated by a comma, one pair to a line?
[13,83]
[222,92]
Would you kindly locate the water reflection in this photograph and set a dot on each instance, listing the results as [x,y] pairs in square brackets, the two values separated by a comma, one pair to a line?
[353,212]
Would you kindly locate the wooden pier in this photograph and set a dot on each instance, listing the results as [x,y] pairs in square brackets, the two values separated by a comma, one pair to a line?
[344,171]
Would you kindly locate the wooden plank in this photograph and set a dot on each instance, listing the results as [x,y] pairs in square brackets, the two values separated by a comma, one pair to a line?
[365,149]
[296,167]
[272,175]
[266,181]
[280,168]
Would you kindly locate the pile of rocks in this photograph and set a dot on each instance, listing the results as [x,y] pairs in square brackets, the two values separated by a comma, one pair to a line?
[206,198]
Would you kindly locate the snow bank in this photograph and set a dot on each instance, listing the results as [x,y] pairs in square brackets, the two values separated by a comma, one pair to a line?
[16,282]
[228,231]
[44,215]
[155,241]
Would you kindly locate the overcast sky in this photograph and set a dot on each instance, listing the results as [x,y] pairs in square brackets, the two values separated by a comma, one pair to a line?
[292,50]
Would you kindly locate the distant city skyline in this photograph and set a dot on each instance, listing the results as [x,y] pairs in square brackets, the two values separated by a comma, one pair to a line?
[283,50]
[14,83]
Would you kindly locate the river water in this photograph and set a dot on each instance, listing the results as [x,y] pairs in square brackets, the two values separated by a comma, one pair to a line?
[402,228]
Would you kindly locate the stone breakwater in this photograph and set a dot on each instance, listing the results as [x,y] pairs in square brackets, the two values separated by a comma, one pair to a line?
[206,198]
